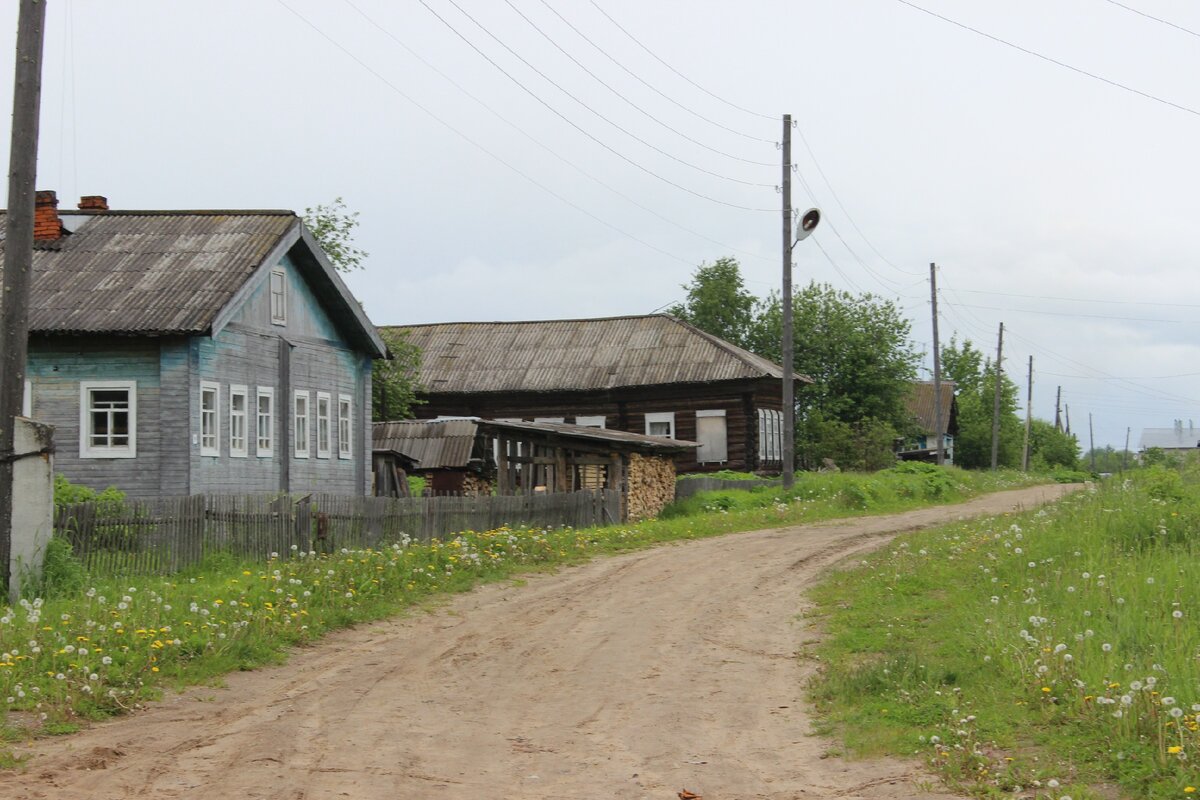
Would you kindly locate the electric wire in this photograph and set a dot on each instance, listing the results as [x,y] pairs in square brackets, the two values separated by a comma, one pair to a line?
[652,88]
[621,96]
[1084,316]
[569,94]
[471,141]
[561,116]
[1156,19]
[566,161]
[1082,299]
[677,72]
[1054,61]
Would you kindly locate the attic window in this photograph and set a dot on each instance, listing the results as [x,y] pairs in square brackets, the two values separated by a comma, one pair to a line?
[278,297]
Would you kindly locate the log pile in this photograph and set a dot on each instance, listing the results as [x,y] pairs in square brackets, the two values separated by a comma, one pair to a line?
[476,485]
[651,485]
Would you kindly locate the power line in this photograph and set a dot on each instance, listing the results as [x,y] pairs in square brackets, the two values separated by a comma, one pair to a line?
[471,141]
[677,72]
[1084,316]
[1081,299]
[567,162]
[652,88]
[1055,61]
[1127,377]
[1156,19]
[561,116]
[569,94]
[622,96]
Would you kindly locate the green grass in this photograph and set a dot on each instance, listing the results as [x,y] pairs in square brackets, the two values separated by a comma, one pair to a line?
[1064,639]
[96,645]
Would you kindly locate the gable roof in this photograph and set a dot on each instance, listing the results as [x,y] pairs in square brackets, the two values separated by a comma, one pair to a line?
[919,402]
[577,355]
[1176,438]
[154,273]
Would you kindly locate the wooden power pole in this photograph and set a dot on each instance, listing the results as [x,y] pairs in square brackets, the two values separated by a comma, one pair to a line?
[1028,416]
[996,400]
[1092,441]
[789,383]
[1058,426]
[1125,455]
[18,253]
[937,369]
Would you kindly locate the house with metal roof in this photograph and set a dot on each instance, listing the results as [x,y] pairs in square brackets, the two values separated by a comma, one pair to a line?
[651,375]
[1178,438]
[187,352]
[922,408]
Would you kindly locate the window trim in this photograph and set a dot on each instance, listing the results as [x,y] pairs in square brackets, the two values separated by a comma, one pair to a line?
[661,416]
[86,449]
[281,317]
[239,390]
[598,421]
[346,441]
[213,450]
[297,418]
[327,450]
[269,393]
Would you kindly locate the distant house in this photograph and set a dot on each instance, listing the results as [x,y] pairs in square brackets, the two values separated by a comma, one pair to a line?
[653,375]
[1176,439]
[182,352]
[922,446]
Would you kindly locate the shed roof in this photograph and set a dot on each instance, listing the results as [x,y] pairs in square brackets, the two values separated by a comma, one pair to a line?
[577,355]
[920,403]
[448,443]
[1180,437]
[153,273]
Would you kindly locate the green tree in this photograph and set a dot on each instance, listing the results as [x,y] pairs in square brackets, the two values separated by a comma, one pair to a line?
[394,380]
[976,379]
[717,302]
[333,226]
[1049,447]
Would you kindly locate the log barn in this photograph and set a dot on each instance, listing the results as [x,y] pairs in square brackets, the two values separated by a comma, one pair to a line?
[652,375]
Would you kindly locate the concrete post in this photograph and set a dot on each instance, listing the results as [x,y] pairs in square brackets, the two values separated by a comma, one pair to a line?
[33,501]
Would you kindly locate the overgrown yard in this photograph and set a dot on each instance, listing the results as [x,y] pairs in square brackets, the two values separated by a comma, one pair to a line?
[1044,654]
[96,645]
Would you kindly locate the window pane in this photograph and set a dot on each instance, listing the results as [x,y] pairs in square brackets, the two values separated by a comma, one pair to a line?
[660,429]
[99,424]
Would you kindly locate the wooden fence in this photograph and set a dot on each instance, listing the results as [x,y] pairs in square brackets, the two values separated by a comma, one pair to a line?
[686,487]
[168,534]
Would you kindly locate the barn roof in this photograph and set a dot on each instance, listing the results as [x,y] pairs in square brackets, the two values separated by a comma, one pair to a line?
[153,273]
[448,443]
[577,355]
[920,403]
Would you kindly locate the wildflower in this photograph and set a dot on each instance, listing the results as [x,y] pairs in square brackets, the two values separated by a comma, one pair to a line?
[1106,647]
[1174,749]
[1177,614]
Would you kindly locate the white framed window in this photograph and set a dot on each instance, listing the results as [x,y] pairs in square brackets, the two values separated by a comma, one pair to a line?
[711,433]
[345,426]
[661,423]
[770,434]
[265,421]
[210,421]
[300,424]
[108,419]
[323,432]
[238,445]
[278,297]
[27,400]
[591,422]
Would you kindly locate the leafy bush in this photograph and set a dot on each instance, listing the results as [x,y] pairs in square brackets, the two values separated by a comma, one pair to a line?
[110,501]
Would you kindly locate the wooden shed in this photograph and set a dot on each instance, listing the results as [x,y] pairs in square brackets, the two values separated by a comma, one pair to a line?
[481,456]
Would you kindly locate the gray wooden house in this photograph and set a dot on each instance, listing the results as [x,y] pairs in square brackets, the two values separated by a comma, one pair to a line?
[652,375]
[921,404]
[187,352]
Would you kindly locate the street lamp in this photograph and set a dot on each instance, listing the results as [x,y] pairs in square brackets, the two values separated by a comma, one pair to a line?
[804,228]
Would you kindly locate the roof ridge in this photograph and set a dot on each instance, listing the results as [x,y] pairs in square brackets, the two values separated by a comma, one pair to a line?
[181,212]
[527,321]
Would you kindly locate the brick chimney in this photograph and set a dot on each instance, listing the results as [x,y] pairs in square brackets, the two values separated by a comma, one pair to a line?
[93,202]
[46,224]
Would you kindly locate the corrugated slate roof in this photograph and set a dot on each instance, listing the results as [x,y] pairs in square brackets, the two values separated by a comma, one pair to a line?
[579,354]
[920,405]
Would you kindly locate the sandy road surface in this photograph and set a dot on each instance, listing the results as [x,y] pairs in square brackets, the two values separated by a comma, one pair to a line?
[628,677]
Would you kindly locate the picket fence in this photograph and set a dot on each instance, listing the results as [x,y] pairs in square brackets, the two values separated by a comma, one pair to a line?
[168,534]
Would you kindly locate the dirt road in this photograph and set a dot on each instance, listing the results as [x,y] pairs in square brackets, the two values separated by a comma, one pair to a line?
[628,677]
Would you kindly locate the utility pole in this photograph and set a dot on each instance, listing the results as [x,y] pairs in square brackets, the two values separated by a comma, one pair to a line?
[1058,410]
[937,368]
[1067,415]
[789,382]
[18,253]
[996,401]
[1125,455]
[1091,441]
[1028,417]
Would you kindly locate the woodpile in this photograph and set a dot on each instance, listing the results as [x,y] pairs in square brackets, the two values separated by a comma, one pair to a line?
[476,485]
[651,485]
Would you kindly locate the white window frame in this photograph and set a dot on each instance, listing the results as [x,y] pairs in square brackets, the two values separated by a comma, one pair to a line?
[27,399]
[86,448]
[345,426]
[278,311]
[210,445]
[300,423]
[235,451]
[661,416]
[267,450]
[555,420]
[591,422]
[323,430]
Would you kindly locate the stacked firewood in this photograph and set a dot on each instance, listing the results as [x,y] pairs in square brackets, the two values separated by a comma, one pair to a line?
[476,485]
[651,485]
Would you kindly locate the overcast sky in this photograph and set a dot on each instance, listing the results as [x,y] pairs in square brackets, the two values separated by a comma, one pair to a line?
[1058,203]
